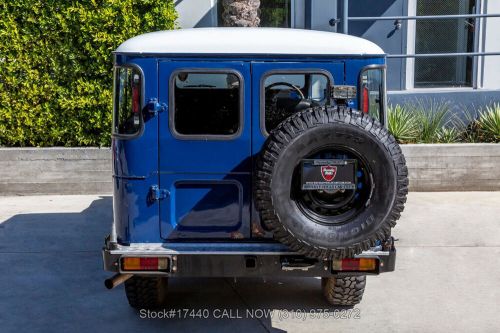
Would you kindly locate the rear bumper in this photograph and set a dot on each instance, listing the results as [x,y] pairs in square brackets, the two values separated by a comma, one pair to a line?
[236,260]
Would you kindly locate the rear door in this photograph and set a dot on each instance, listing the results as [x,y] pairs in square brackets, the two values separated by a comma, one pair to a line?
[205,150]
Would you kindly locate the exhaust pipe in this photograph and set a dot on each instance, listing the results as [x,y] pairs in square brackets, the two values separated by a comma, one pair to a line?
[116,280]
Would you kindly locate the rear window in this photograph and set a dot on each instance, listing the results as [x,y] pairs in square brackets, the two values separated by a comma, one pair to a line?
[127,101]
[207,104]
[372,92]
[288,93]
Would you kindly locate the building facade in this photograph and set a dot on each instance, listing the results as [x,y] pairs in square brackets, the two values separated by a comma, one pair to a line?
[463,80]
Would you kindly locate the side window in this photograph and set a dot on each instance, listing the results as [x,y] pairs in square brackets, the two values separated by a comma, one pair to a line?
[286,94]
[372,92]
[127,101]
[206,103]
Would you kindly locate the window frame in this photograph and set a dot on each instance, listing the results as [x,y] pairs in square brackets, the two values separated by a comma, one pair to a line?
[383,117]
[205,137]
[291,71]
[140,131]
[409,64]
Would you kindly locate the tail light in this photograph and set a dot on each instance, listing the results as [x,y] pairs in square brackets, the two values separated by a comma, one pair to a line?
[355,264]
[366,100]
[145,264]
[136,93]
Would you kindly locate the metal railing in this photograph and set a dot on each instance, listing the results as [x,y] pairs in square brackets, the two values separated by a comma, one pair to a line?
[346,18]
[477,18]
[421,17]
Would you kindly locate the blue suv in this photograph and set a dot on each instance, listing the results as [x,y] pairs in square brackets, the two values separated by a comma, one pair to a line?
[251,152]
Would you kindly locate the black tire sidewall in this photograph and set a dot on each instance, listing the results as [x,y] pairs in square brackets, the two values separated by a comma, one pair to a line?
[361,226]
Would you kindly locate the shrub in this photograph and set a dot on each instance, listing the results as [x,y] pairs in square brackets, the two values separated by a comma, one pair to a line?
[402,124]
[432,118]
[466,124]
[448,135]
[489,123]
[430,122]
[56,66]
[423,121]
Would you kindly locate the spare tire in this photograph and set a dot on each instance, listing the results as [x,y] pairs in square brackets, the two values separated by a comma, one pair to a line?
[332,223]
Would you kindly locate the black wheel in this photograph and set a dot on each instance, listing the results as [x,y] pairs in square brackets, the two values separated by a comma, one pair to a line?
[146,292]
[344,291]
[331,223]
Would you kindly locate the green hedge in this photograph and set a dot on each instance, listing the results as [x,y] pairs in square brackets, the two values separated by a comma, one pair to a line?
[56,66]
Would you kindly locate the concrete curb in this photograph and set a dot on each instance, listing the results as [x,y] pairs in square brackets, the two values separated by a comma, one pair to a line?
[432,167]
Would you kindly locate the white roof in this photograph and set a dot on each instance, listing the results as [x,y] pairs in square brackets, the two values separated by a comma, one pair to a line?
[267,41]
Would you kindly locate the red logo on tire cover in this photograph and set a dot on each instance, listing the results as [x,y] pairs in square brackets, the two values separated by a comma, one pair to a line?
[328,172]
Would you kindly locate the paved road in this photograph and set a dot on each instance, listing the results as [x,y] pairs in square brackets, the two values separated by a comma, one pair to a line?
[447,278]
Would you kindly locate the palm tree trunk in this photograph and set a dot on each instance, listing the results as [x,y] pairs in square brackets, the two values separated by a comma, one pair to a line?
[241,13]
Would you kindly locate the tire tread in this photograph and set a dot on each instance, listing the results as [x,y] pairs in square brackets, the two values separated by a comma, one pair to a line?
[344,291]
[146,292]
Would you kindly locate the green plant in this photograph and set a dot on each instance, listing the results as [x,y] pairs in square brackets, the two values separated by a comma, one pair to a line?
[432,116]
[448,135]
[429,121]
[489,123]
[56,66]
[466,124]
[402,124]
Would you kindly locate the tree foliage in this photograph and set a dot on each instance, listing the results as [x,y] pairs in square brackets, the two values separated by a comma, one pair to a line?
[56,66]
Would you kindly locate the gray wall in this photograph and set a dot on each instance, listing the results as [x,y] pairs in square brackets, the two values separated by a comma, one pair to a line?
[196,13]
[25,171]
[455,167]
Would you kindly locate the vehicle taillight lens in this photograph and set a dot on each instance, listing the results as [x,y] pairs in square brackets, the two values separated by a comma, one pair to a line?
[366,100]
[355,264]
[144,264]
[136,93]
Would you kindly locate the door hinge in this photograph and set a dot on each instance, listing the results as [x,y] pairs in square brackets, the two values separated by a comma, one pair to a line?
[155,107]
[156,193]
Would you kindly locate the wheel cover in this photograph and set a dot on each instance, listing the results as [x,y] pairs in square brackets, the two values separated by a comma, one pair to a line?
[337,206]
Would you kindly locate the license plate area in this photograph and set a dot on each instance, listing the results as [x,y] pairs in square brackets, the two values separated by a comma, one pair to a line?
[328,174]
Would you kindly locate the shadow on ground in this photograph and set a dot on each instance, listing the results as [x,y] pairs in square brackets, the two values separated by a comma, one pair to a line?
[52,280]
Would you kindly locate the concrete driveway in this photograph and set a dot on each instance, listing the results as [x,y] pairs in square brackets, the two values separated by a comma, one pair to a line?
[447,276]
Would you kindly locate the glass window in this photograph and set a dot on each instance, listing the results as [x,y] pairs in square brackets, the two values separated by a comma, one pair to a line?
[272,13]
[206,103]
[285,94]
[127,101]
[275,13]
[444,36]
[371,92]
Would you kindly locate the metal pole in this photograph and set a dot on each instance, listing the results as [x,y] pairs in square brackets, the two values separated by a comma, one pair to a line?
[345,18]
[475,60]
[422,55]
[307,14]
[116,280]
[422,17]
[483,41]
